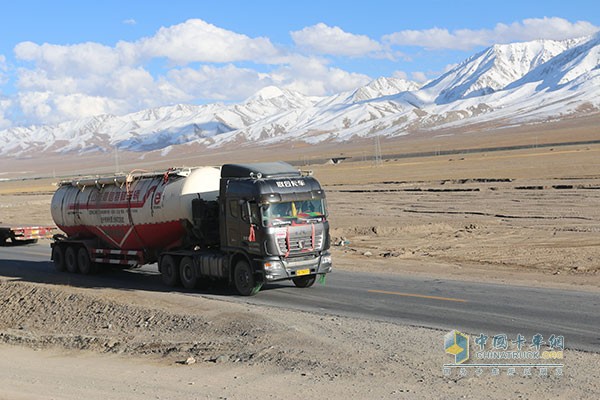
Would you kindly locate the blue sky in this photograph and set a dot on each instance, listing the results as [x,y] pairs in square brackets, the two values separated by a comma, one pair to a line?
[62,60]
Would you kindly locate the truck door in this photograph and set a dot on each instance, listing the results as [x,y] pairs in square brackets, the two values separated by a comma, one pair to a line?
[233,222]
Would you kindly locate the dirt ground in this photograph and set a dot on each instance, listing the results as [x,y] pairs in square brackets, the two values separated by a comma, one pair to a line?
[522,217]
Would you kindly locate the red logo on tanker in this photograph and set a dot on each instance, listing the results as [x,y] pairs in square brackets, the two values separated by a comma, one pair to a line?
[113,199]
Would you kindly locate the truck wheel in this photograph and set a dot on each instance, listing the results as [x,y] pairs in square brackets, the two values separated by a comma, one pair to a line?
[58,255]
[84,263]
[187,273]
[244,279]
[304,281]
[71,260]
[169,271]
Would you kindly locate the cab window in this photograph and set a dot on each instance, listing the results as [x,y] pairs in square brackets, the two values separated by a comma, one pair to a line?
[234,208]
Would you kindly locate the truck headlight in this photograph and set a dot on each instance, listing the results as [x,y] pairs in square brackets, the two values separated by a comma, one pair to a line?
[273,266]
[326,259]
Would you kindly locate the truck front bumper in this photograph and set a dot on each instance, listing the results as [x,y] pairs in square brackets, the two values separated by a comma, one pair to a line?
[276,270]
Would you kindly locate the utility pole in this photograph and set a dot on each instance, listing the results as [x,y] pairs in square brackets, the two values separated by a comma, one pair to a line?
[378,160]
[116,159]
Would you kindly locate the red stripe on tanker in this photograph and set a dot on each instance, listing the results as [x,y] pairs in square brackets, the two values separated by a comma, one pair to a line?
[149,212]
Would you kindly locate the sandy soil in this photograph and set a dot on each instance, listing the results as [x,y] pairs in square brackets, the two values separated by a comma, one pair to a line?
[525,217]
[518,216]
[132,345]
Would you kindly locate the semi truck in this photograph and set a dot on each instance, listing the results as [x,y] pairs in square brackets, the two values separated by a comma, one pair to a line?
[248,224]
[19,235]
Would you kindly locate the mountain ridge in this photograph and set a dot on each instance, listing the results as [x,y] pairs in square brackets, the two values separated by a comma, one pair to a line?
[518,82]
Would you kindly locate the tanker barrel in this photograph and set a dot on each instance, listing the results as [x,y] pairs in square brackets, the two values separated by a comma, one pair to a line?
[153,214]
[121,179]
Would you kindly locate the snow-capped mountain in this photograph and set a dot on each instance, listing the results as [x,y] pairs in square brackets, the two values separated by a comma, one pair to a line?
[513,83]
[383,87]
[493,69]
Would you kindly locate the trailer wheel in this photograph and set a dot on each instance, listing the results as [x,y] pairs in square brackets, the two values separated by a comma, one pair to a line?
[58,255]
[187,273]
[86,266]
[169,271]
[71,260]
[244,279]
[304,281]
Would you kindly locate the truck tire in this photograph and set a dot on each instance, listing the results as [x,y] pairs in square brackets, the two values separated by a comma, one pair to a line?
[71,259]
[86,266]
[3,239]
[243,279]
[187,273]
[304,281]
[58,256]
[169,271]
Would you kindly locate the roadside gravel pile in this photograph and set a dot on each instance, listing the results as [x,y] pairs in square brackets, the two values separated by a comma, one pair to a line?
[344,356]
[41,316]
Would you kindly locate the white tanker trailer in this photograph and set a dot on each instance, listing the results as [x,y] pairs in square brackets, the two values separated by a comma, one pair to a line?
[245,223]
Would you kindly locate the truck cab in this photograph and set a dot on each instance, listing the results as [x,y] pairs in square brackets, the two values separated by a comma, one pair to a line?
[273,223]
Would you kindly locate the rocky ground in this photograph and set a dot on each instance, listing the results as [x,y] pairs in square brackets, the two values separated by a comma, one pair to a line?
[524,218]
[170,345]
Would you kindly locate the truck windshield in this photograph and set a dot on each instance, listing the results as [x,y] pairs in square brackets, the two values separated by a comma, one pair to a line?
[289,211]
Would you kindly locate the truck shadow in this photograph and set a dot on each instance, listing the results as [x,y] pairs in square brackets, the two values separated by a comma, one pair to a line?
[144,279]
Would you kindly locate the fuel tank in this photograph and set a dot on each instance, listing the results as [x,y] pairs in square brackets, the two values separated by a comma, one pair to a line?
[135,211]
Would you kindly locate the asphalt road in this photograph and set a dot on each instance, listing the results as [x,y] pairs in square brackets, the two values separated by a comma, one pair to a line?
[470,307]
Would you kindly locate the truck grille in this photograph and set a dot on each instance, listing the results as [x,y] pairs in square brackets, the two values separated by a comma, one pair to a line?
[300,243]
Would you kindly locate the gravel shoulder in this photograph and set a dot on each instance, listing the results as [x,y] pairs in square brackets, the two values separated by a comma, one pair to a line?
[135,344]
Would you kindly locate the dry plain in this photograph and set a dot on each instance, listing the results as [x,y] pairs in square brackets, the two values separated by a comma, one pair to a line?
[526,217]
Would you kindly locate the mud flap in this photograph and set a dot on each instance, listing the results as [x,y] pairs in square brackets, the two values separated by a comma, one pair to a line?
[257,288]
[321,279]
[259,279]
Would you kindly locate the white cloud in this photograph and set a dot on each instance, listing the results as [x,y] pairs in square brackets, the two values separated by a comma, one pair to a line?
[47,107]
[191,41]
[61,82]
[313,76]
[419,76]
[79,59]
[3,69]
[323,39]
[128,81]
[80,105]
[5,105]
[35,105]
[130,21]
[199,41]
[218,83]
[467,39]
[400,75]
[71,81]
[543,28]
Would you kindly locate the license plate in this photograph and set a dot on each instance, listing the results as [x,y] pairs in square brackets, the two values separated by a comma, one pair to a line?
[301,272]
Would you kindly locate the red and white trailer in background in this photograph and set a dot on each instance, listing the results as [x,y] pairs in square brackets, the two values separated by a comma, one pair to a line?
[25,234]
